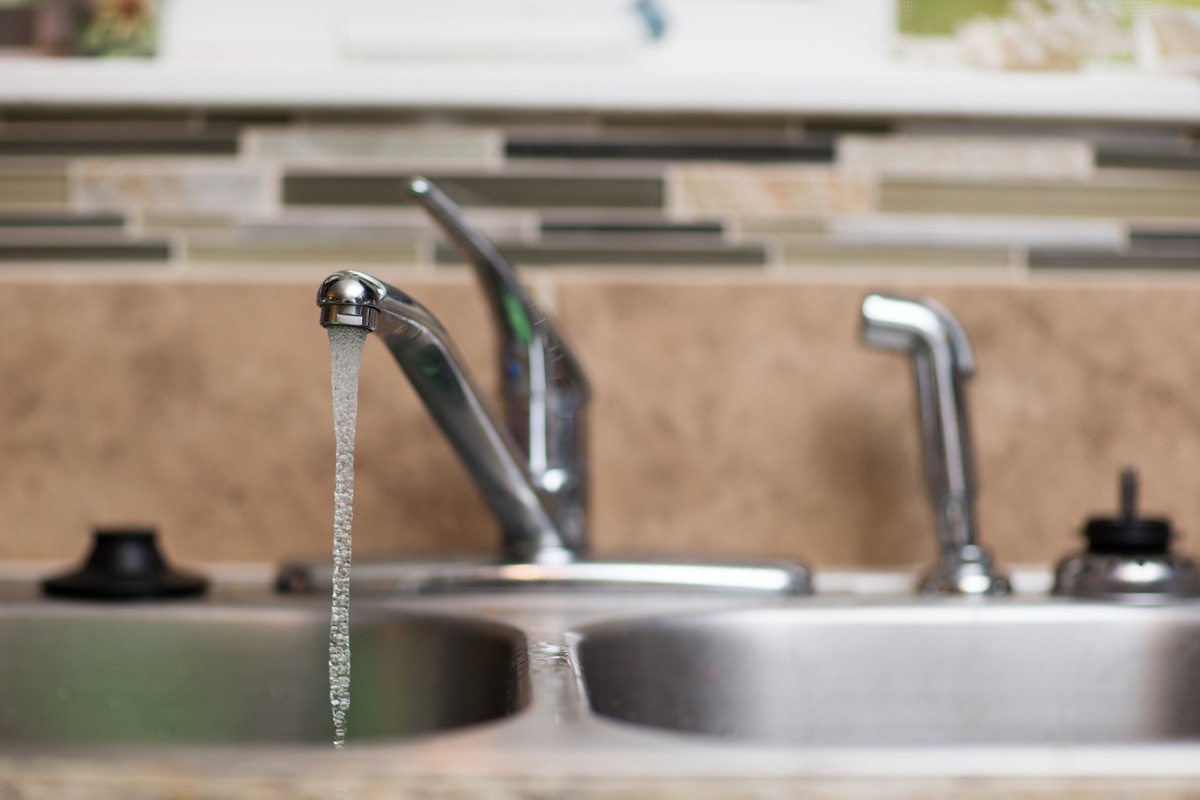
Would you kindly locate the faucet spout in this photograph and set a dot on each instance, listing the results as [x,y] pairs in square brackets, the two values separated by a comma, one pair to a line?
[427,355]
[544,391]
[942,363]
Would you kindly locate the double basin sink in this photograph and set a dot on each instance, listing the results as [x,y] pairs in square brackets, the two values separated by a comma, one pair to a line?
[563,673]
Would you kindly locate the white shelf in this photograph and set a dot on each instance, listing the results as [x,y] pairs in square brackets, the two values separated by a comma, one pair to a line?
[603,87]
[809,57]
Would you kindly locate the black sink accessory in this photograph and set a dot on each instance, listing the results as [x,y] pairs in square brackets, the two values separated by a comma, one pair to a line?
[1128,558]
[125,564]
[1128,533]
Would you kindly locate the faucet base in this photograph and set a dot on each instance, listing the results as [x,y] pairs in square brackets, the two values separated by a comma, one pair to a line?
[969,572]
[415,577]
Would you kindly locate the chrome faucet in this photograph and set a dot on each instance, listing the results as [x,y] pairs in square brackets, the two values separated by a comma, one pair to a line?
[942,363]
[531,471]
[423,349]
[543,390]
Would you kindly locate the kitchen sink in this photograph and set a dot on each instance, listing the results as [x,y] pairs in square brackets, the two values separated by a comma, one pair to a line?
[903,674]
[681,689]
[208,671]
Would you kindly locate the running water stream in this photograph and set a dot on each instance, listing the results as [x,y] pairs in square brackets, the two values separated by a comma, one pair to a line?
[345,346]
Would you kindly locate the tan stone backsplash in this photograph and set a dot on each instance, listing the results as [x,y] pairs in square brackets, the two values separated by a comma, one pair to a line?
[163,362]
[732,417]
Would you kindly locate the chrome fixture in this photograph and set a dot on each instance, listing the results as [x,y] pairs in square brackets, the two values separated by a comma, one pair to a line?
[532,469]
[535,550]
[543,389]
[1128,557]
[423,349]
[942,363]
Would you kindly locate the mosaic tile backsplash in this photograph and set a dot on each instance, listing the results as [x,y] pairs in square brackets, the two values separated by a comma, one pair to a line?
[707,269]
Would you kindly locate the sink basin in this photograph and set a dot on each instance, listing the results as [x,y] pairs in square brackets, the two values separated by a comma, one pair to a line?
[73,673]
[936,673]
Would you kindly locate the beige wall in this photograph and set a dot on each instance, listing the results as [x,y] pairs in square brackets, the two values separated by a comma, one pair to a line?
[733,415]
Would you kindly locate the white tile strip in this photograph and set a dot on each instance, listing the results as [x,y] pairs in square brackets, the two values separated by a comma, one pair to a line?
[968,157]
[174,185]
[973,231]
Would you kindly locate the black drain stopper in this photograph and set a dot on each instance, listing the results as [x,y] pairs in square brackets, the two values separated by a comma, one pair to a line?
[125,564]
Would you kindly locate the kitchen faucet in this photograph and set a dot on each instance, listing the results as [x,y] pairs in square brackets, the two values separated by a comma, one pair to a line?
[427,355]
[942,363]
[531,469]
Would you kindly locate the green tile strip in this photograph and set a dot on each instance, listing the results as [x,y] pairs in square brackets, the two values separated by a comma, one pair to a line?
[83,252]
[1153,258]
[1130,200]
[24,187]
[604,232]
[819,254]
[56,219]
[66,145]
[478,190]
[617,255]
[814,149]
[1131,156]
[1174,239]
[626,227]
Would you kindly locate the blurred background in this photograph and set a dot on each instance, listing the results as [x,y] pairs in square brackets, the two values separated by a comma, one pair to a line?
[701,190]
[1016,34]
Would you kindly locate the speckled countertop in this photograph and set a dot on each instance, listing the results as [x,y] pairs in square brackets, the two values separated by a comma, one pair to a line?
[369,773]
[202,777]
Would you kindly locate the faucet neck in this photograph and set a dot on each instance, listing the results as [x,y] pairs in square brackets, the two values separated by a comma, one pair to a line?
[427,355]
[544,392]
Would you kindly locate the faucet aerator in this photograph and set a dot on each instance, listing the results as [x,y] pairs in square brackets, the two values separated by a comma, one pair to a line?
[333,316]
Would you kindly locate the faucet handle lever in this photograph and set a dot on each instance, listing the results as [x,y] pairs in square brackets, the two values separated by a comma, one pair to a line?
[494,270]
[543,388]
[517,315]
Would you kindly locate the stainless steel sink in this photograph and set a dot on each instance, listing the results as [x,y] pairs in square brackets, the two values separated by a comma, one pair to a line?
[913,673]
[73,673]
[857,685]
